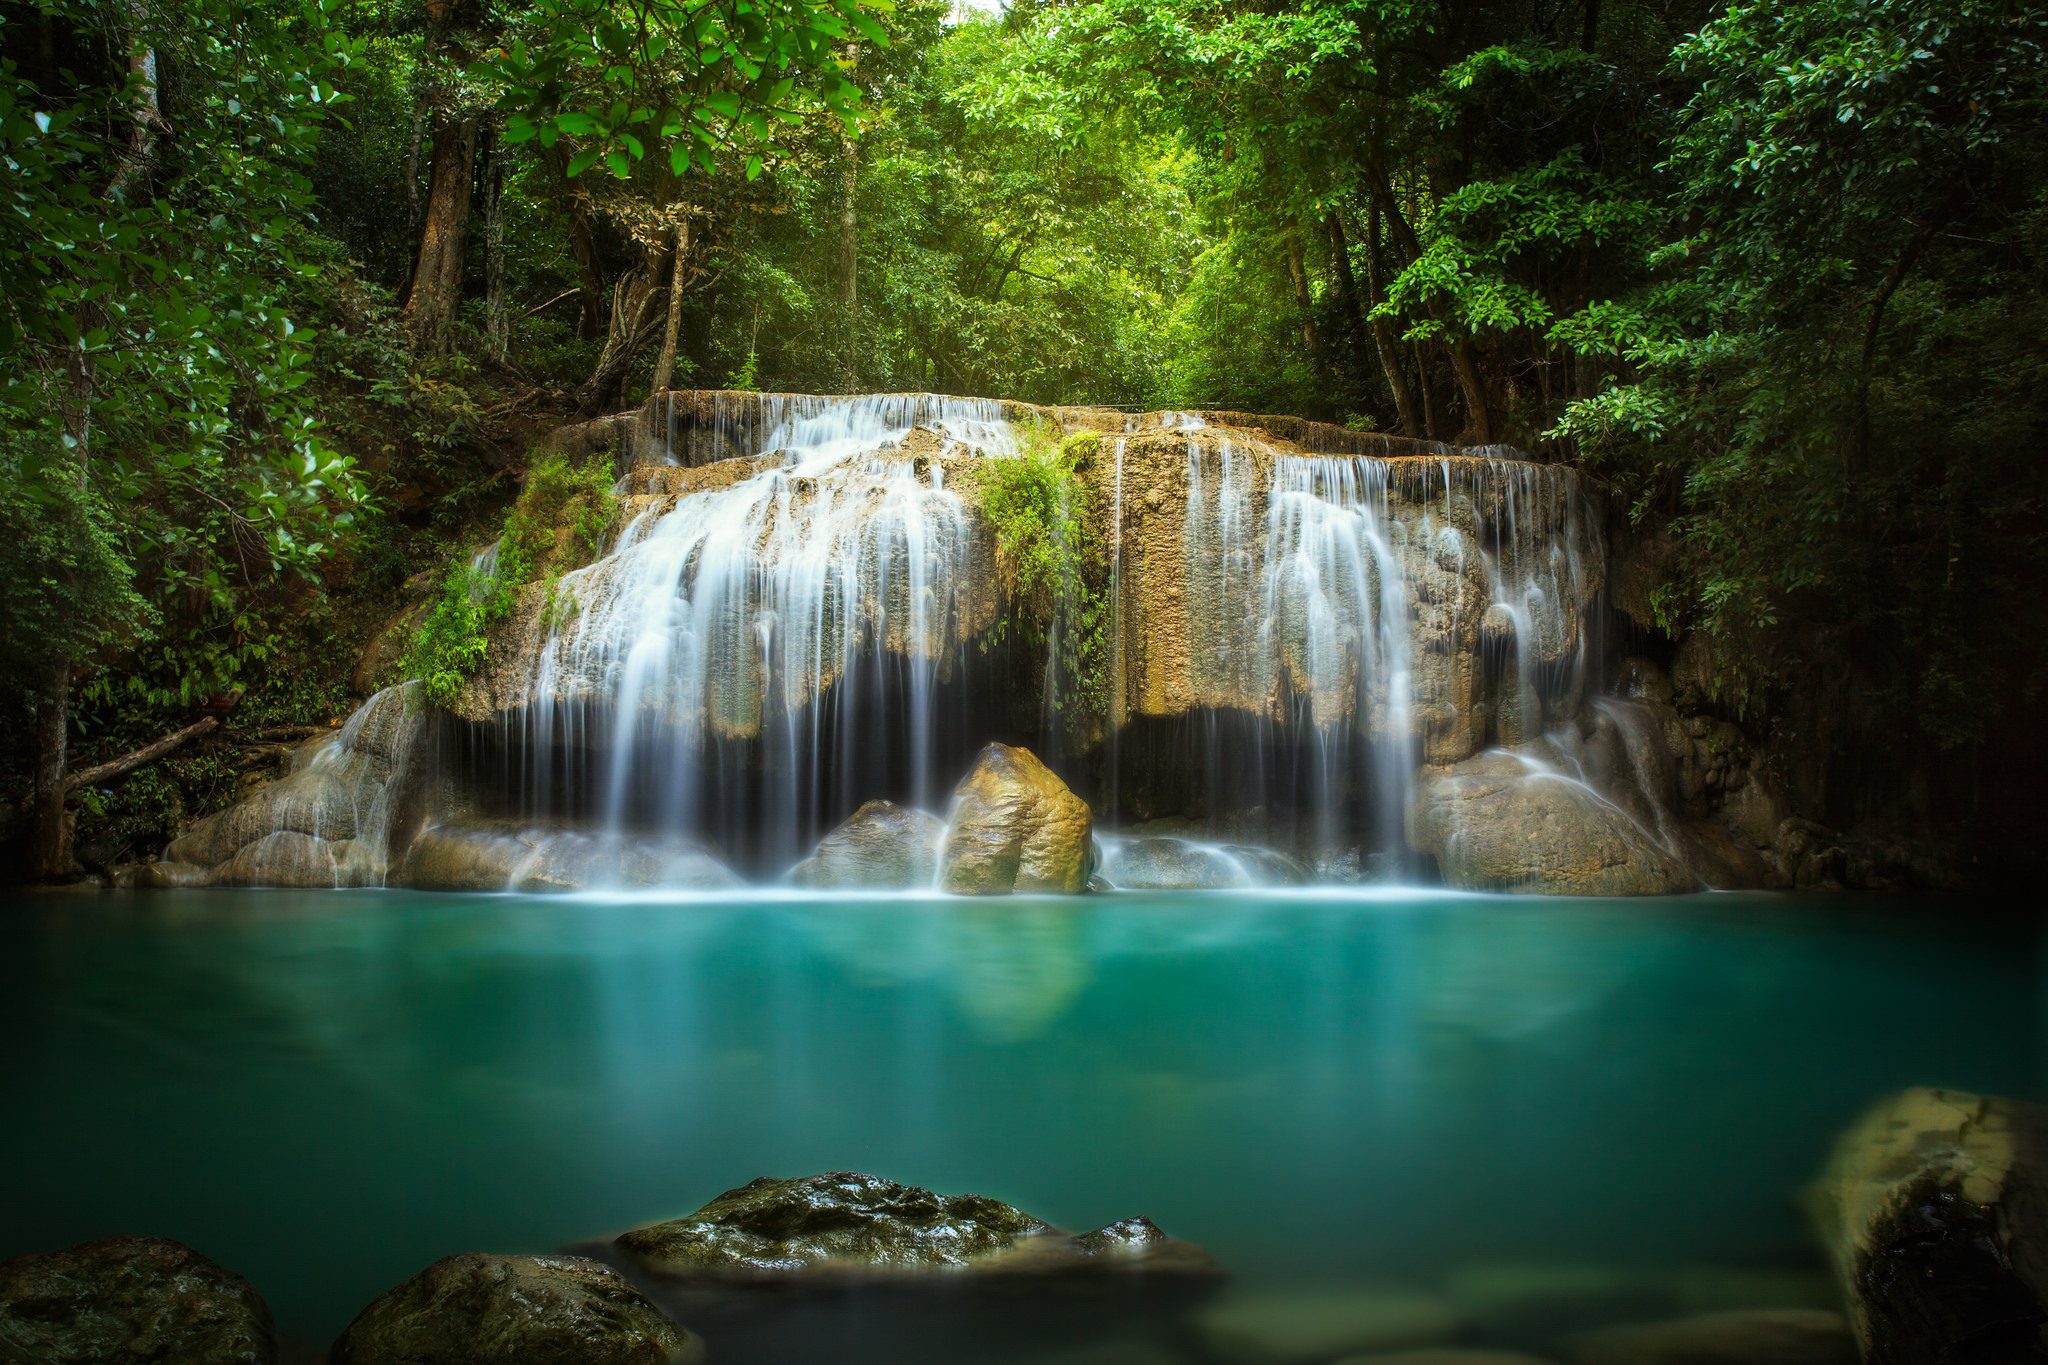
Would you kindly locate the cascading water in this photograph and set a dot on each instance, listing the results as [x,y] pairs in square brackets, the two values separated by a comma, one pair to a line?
[754,659]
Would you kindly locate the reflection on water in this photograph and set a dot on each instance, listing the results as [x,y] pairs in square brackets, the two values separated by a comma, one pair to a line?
[328,1090]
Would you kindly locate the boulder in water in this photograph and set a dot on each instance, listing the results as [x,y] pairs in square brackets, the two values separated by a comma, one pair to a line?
[843,1224]
[1016,827]
[512,856]
[1932,1209]
[882,846]
[515,1310]
[130,1298]
[1495,824]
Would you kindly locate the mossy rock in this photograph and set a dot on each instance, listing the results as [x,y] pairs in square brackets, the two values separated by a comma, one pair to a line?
[474,1309]
[130,1299]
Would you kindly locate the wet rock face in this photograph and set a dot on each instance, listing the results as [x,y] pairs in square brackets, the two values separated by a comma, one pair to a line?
[1934,1210]
[1493,825]
[775,1227]
[510,856]
[1016,827]
[130,1299]
[1173,864]
[882,846]
[515,1310]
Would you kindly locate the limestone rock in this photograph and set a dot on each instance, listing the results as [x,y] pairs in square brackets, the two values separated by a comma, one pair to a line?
[289,858]
[1173,864]
[130,1299]
[1308,1328]
[1934,1210]
[516,856]
[841,1218]
[515,1310]
[172,876]
[1757,1336]
[1016,827]
[1494,824]
[843,1224]
[880,846]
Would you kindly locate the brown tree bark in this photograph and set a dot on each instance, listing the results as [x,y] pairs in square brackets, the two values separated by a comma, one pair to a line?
[51,834]
[1382,333]
[849,261]
[497,321]
[638,303]
[1464,360]
[437,277]
[1297,271]
[665,363]
[589,275]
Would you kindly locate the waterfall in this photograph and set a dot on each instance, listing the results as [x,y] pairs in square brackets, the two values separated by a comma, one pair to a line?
[756,657]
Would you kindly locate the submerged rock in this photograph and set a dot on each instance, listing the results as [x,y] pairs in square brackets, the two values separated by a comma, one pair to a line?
[512,856]
[1759,1336]
[1445,1355]
[882,846]
[1311,1327]
[1495,824]
[515,1310]
[844,1223]
[1016,827]
[1931,1209]
[130,1299]
[1173,864]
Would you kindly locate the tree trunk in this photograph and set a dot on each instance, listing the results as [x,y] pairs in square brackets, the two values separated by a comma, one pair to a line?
[51,847]
[497,322]
[1382,331]
[1297,271]
[849,262]
[437,279]
[1464,362]
[637,301]
[589,277]
[144,114]
[665,363]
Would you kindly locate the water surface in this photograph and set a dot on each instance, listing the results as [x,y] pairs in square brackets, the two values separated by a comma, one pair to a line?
[328,1090]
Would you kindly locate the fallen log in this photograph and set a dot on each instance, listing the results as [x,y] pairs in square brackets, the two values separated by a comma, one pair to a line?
[139,758]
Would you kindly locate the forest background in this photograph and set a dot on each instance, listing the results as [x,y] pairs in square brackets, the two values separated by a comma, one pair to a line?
[292,291]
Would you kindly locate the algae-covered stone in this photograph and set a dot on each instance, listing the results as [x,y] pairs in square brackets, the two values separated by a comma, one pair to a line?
[1494,824]
[1016,827]
[1934,1210]
[1445,1355]
[515,1310]
[130,1299]
[1310,1327]
[1762,1336]
[514,856]
[840,1219]
[882,846]
[1173,864]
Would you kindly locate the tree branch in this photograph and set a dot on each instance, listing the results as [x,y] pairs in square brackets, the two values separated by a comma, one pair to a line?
[140,758]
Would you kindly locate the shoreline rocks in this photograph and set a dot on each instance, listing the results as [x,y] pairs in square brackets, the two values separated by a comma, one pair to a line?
[131,1298]
[515,1310]
[881,846]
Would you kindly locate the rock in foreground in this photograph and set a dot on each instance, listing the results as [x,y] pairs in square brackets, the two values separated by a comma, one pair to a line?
[1934,1210]
[881,847]
[1016,827]
[1495,825]
[845,1223]
[130,1299]
[515,1310]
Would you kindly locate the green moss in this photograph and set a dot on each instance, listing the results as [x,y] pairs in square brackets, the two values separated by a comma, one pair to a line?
[1042,513]
[453,640]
